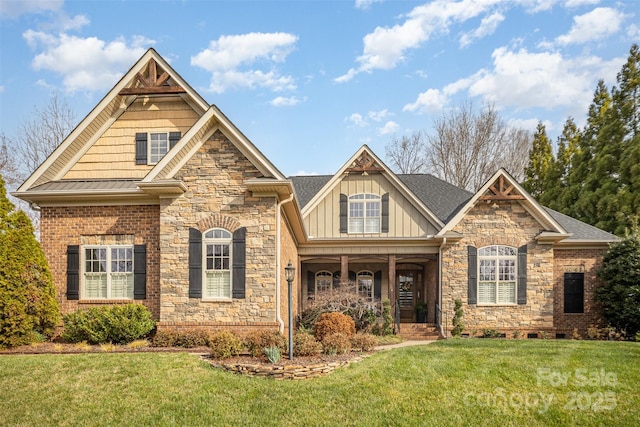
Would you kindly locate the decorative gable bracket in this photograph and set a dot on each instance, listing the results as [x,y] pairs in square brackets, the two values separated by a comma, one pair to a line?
[501,190]
[153,84]
[364,164]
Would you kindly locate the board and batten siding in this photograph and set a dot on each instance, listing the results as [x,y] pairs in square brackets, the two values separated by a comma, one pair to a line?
[404,219]
[113,155]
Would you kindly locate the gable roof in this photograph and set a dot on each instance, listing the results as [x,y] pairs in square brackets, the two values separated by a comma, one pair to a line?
[103,115]
[580,231]
[362,160]
[113,105]
[501,186]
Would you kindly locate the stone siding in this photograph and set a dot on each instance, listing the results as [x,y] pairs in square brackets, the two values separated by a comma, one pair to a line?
[499,223]
[216,196]
[586,261]
[77,225]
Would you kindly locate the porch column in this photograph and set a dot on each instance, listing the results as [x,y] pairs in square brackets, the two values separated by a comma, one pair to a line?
[344,269]
[431,274]
[392,281]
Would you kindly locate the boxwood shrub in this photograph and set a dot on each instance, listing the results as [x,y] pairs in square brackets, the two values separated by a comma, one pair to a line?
[118,324]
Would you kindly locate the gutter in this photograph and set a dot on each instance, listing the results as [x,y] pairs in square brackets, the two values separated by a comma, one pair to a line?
[278,264]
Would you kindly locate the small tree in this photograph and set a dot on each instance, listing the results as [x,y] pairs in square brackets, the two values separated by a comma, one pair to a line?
[28,307]
[458,314]
[620,295]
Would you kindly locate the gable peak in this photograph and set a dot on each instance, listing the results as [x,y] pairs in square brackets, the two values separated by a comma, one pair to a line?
[364,164]
[502,189]
[154,80]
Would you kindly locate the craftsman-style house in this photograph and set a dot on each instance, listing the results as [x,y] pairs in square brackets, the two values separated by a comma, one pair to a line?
[157,198]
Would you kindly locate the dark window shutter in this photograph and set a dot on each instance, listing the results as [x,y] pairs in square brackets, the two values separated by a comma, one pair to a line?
[522,274]
[73,272]
[141,148]
[174,137]
[377,285]
[195,263]
[352,276]
[574,292]
[239,262]
[472,274]
[344,212]
[139,271]
[384,211]
[311,283]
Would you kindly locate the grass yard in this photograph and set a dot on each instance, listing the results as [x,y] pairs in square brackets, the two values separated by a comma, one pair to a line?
[454,382]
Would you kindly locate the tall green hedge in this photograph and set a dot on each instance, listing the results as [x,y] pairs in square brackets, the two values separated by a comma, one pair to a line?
[28,307]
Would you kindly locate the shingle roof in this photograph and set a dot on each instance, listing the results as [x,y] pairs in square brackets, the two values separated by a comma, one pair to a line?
[579,229]
[444,200]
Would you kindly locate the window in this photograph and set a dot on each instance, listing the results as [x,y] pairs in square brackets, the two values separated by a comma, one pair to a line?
[497,274]
[108,272]
[158,147]
[217,263]
[364,279]
[574,292]
[364,213]
[324,281]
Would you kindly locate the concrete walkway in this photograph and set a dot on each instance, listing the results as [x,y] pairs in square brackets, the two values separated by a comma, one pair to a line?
[404,344]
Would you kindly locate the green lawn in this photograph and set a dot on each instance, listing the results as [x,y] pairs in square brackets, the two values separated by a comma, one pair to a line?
[453,382]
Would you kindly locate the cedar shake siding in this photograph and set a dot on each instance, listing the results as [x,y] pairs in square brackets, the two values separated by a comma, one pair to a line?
[61,227]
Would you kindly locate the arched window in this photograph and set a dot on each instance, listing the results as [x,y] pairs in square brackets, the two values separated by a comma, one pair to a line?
[497,274]
[217,263]
[324,281]
[364,213]
[364,279]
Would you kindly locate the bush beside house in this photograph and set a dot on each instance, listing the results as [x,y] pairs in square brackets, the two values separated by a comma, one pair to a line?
[29,311]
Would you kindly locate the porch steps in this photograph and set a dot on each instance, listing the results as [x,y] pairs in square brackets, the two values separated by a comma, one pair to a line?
[419,331]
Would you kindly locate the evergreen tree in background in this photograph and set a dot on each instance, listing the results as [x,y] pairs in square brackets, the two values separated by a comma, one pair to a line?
[540,163]
[595,174]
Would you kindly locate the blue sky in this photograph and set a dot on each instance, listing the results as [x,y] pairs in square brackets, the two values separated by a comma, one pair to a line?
[309,82]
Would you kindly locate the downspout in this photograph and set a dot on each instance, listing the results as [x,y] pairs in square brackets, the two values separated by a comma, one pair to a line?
[278,269]
[444,242]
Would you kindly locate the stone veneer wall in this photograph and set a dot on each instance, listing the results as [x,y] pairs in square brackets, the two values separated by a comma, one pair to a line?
[288,252]
[586,261]
[217,197]
[500,223]
[75,225]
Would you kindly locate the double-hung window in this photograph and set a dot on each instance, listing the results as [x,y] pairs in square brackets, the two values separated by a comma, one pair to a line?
[158,147]
[364,213]
[217,261]
[497,274]
[108,272]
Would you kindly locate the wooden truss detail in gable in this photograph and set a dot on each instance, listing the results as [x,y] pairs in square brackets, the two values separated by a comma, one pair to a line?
[501,190]
[152,84]
[364,164]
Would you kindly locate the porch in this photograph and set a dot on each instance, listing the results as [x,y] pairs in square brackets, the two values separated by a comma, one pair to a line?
[408,281]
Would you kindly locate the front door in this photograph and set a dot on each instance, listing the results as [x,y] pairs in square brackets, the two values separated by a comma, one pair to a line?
[407,283]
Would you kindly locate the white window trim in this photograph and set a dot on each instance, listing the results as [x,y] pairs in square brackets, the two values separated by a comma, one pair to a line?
[150,144]
[108,271]
[497,258]
[366,197]
[367,273]
[208,241]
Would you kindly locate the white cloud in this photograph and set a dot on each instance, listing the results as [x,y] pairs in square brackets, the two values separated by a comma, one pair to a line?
[366,4]
[234,61]
[14,8]
[357,120]
[378,116]
[535,6]
[430,101]
[576,3]
[389,128]
[633,32]
[281,101]
[595,25]
[85,63]
[529,124]
[1,88]
[302,172]
[488,26]
[386,47]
